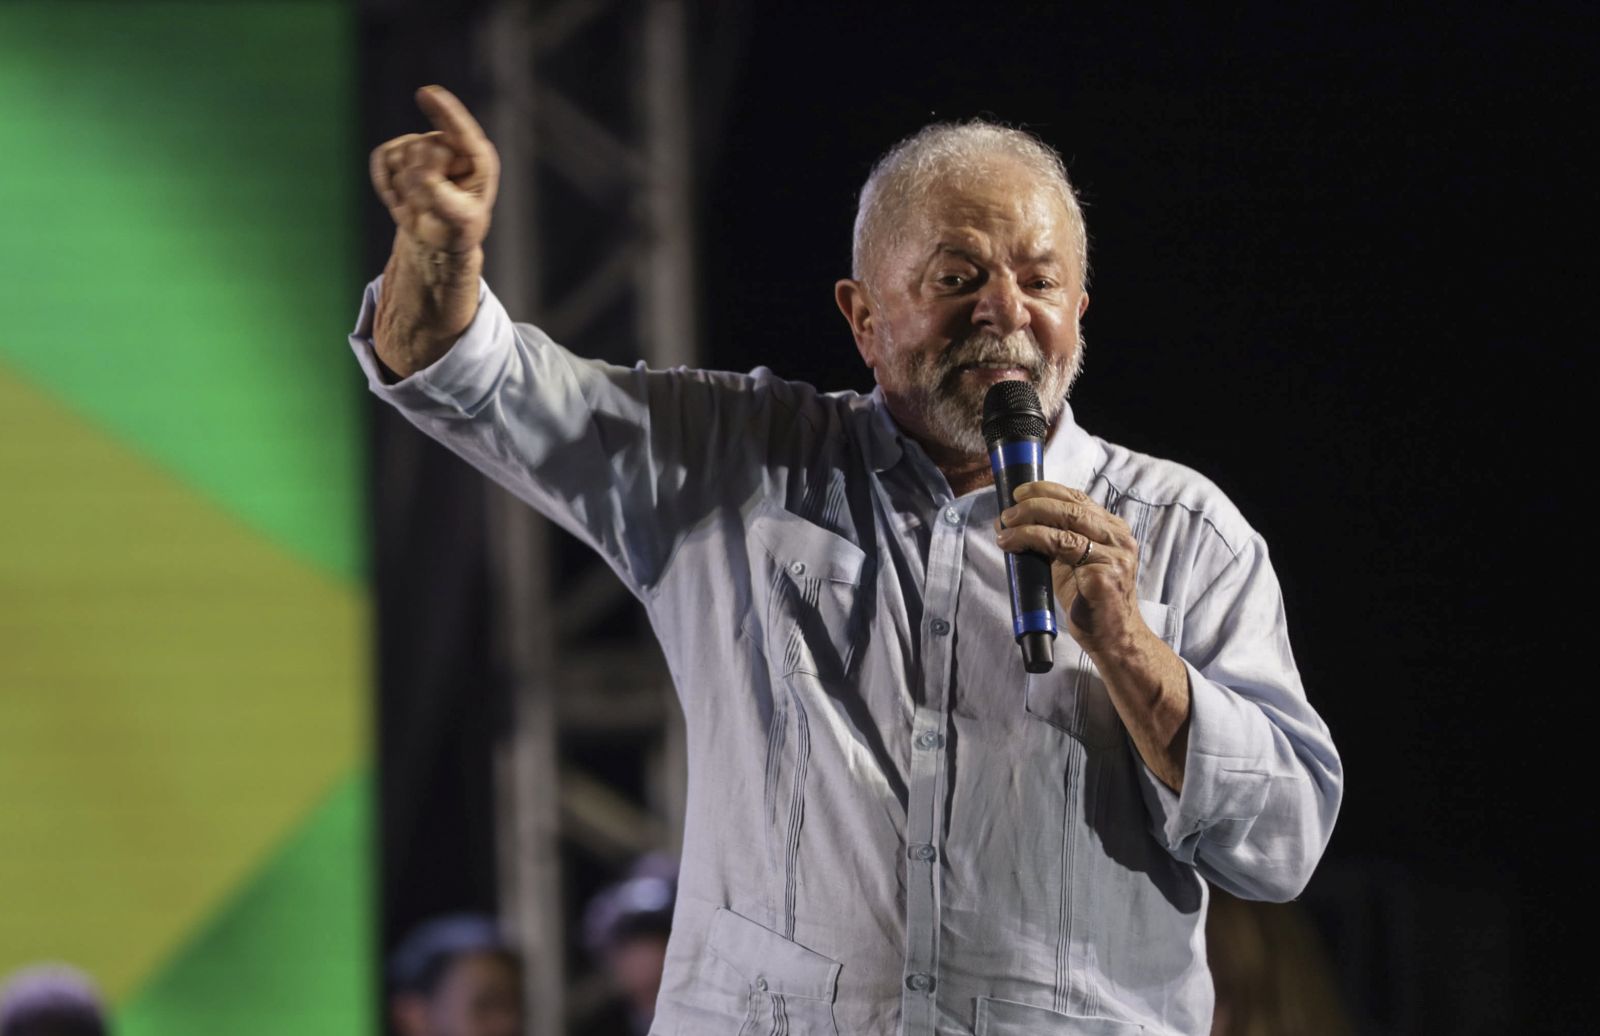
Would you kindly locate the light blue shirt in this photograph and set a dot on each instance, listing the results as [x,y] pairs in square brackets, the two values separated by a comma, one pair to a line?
[892,828]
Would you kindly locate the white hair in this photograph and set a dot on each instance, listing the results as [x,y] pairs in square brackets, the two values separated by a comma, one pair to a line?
[943,151]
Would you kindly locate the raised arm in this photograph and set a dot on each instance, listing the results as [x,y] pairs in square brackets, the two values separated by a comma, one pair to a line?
[628,459]
[440,188]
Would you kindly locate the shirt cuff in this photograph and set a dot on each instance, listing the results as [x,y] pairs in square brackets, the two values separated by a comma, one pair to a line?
[462,380]
[1225,781]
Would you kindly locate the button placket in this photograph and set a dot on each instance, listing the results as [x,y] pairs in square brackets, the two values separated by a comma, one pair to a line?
[946,549]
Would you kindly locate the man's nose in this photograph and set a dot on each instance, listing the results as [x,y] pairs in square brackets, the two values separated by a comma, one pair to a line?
[1000,307]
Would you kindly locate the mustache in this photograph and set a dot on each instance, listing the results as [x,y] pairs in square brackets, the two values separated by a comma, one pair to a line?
[1015,350]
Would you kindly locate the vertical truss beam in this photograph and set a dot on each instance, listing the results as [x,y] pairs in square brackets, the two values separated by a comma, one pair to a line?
[631,172]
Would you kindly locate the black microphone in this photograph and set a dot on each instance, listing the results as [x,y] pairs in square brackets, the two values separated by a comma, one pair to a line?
[1014,428]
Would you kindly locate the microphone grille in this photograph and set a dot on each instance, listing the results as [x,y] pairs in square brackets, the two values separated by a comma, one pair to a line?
[1011,410]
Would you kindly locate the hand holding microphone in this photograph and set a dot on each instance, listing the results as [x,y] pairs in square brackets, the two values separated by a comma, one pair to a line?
[1057,538]
[1014,428]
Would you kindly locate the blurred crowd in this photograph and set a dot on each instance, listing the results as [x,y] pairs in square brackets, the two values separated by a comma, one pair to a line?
[460,975]
[51,1000]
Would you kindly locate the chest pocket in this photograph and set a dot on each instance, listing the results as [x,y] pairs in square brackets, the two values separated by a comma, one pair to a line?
[785,988]
[1073,697]
[812,575]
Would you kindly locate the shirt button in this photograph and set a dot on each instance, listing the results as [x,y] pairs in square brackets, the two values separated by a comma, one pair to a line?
[798,568]
[952,516]
[761,983]
[940,627]
[928,739]
[920,982]
[922,852]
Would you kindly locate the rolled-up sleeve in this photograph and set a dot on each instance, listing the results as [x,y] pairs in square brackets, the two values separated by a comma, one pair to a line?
[461,381]
[1262,780]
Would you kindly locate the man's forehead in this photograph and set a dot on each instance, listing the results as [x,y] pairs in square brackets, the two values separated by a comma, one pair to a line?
[1024,234]
[970,208]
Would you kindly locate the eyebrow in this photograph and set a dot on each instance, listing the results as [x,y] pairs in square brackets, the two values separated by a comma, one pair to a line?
[948,248]
[1041,258]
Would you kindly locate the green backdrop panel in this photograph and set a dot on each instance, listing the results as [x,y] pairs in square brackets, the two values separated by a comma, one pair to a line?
[176,692]
[182,620]
[179,243]
[289,953]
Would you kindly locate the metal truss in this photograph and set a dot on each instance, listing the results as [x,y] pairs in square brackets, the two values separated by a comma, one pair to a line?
[590,108]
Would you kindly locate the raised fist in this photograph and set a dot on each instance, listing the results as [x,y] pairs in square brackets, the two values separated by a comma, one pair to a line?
[439,186]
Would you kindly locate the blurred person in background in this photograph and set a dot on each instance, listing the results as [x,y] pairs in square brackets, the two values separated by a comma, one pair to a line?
[456,976]
[1271,973]
[51,1000]
[625,928]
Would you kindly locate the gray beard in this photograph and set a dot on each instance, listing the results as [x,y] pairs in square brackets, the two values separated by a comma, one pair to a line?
[951,410]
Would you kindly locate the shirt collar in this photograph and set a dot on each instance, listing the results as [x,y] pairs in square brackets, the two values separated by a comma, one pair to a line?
[884,436]
[1071,455]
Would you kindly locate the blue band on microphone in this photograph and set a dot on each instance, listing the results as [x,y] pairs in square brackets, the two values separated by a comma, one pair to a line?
[1034,622]
[1009,453]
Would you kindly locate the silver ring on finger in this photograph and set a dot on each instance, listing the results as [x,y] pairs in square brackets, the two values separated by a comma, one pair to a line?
[1087,547]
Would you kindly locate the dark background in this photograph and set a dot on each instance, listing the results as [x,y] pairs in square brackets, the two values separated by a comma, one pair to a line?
[1336,268]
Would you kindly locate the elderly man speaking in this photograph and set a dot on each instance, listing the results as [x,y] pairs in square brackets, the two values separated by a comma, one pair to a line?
[893,827]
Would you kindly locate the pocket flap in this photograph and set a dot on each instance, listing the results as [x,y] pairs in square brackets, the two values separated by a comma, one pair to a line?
[1008,1018]
[759,953]
[803,548]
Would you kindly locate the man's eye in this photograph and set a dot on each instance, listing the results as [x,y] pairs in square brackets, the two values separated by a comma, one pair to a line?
[952,280]
[1042,284]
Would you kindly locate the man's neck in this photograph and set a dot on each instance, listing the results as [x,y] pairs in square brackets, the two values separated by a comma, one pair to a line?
[964,473]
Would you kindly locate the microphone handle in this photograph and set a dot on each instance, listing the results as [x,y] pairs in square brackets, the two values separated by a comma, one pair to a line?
[1033,599]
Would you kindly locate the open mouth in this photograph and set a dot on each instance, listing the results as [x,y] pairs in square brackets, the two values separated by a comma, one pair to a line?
[995,372]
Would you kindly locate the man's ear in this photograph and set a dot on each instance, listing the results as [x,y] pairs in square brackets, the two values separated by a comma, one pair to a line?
[1083,304]
[856,305]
